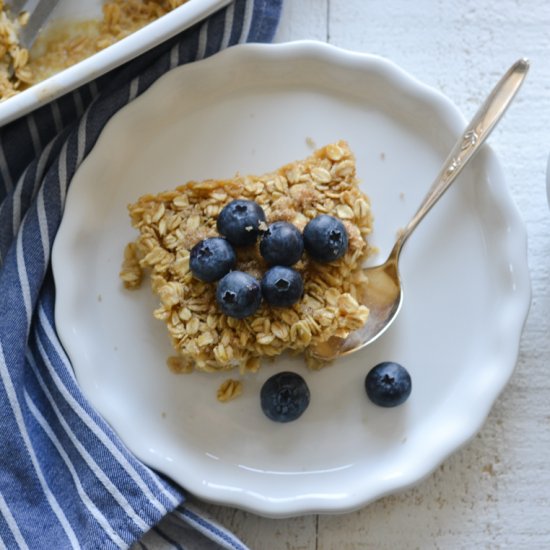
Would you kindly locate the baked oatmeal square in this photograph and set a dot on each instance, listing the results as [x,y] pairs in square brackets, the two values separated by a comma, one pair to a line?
[172,222]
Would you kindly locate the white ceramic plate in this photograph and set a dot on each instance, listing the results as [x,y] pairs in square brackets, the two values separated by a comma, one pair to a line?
[251,109]
[98,64]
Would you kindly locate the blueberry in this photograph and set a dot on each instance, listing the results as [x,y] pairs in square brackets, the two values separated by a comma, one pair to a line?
[325,238]
[388,384]
[282,244]
[238,294]
[239,222]
[284,397]
[282,286]
[211,259]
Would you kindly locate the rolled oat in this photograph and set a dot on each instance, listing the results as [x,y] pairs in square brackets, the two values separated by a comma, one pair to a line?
[229,389]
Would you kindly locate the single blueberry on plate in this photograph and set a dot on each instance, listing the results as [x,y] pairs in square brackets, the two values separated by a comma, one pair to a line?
[238,294]
[284,397]
[282,286]
[211,259]
[282,244]
[239,222]
[325,238]
[388,384]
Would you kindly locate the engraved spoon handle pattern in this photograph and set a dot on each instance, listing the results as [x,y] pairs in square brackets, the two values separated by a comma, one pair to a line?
[474,136]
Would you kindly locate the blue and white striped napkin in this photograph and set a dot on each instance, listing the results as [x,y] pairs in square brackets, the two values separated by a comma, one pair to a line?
[66,480]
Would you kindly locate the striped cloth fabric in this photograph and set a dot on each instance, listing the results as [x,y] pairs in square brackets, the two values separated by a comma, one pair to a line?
[66,480]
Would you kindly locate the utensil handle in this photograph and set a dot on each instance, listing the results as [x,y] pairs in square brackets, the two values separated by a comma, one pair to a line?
[469,143]
[40,12]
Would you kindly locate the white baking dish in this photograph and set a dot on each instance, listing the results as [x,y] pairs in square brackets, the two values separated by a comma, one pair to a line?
[98,64]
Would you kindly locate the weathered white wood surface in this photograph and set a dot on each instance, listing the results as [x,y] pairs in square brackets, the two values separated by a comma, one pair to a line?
[494,493]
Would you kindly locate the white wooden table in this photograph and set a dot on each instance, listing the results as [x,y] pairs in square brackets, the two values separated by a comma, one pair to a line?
[495,492]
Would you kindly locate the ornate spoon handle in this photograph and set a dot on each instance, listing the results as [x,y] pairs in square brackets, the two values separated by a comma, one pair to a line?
[473,137]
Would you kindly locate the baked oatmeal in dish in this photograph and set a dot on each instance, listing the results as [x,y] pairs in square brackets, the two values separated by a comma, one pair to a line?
[171,223]
[65,43]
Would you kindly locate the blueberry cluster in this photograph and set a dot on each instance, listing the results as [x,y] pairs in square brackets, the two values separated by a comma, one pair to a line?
[240,223]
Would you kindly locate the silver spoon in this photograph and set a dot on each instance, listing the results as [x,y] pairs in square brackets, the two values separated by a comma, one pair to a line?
[384,294]
[39,13]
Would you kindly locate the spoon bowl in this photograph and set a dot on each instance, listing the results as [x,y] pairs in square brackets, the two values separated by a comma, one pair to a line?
[383,293]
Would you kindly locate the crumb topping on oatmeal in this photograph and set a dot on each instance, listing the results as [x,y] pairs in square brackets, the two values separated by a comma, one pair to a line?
[172,222]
